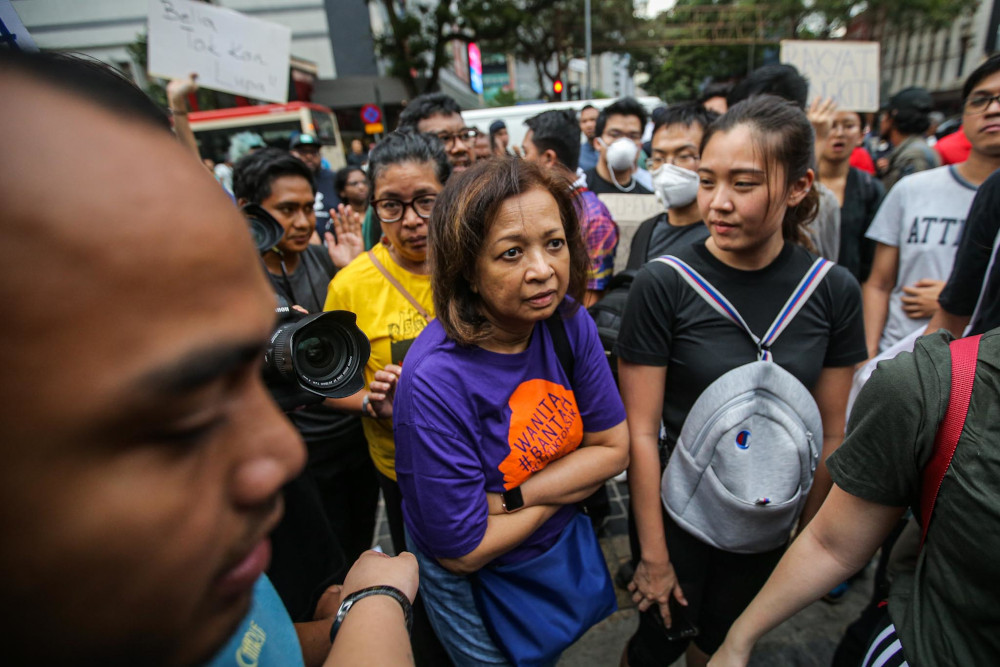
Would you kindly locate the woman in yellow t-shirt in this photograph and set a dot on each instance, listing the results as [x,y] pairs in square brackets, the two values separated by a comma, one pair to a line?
[389,290]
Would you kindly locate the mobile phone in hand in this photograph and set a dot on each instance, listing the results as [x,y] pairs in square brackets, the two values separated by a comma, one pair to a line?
[681,626]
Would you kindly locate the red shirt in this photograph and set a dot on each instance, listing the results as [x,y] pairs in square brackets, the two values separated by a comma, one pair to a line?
[954,148]
[862,159]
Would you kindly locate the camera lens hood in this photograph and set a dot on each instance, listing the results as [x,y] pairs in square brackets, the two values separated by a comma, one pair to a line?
[322,354]
[265,230]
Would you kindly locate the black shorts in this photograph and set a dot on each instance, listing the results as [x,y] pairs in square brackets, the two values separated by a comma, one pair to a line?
[718,586]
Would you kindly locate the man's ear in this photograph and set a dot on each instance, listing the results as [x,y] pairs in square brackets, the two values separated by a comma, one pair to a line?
[798,190]
[241,202]
[549,158]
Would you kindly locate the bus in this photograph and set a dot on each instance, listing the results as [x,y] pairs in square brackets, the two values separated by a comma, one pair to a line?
[515,116]
[275,123]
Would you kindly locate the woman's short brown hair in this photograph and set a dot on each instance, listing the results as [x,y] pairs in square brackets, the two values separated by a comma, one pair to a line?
[463,216]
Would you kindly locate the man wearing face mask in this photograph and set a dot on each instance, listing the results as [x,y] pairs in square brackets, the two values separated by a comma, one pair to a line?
[619,137]
[676,140]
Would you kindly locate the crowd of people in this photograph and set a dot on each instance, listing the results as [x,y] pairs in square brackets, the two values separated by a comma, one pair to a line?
[779,393]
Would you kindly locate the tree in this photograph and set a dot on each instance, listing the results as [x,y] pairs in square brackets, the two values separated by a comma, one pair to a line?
[417,41]
[545,33]
[698,41]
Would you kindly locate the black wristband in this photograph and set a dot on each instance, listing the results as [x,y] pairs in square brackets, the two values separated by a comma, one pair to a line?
[348,602]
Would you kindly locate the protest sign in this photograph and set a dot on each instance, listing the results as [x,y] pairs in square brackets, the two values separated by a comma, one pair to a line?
[229,51]
[846,71]
[629,211]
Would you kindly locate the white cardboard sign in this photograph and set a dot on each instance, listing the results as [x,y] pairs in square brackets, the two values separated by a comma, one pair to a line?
[229,51]
[628,212]
[846,71]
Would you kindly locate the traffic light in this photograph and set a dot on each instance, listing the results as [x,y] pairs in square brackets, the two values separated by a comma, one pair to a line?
[557,87]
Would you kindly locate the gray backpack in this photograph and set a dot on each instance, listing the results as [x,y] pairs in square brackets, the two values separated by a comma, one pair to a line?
[744,462]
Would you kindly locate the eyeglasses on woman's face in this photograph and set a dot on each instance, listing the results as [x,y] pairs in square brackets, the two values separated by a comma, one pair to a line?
[393,210]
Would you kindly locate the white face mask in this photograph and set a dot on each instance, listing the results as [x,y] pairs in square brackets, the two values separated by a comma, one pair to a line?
[675,186]
[620,155]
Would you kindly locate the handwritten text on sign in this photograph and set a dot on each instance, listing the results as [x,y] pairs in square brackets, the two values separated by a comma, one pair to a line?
[229,51]
[846,71]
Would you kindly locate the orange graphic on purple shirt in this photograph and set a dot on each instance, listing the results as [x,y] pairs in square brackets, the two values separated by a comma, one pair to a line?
[545,425]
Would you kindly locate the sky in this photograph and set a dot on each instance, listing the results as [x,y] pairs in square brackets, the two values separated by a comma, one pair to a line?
[654,7]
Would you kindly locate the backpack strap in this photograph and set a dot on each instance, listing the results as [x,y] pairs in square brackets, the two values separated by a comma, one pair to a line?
[964,353]
[810,281]
[557,329]
[640,244]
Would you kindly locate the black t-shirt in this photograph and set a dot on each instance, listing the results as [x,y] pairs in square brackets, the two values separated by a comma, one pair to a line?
[972,258]
[326,198]
[663,238]
[862,197]
[667,324]
[329,434]
[598,185]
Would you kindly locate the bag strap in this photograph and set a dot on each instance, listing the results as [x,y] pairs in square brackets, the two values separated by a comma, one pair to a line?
[964,353]
[810,281]
[640,244]
[557,329]
[399,288]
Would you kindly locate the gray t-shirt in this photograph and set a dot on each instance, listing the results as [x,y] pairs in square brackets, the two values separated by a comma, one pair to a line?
[923,216]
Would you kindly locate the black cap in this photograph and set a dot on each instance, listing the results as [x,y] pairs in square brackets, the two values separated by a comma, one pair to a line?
[304,140]
[914,98]
[497,125]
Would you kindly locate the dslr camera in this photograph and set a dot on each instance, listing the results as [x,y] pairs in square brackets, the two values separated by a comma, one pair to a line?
[308,357]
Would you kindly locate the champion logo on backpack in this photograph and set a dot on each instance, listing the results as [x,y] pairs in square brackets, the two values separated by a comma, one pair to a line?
[742,499]
[743,439]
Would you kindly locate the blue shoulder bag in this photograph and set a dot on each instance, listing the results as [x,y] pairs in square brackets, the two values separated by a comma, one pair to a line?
[537,608]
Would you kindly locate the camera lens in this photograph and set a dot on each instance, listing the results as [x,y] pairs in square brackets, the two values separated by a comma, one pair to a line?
[263,234]
[323,354]
[327,351]
[315,356]
[265,230]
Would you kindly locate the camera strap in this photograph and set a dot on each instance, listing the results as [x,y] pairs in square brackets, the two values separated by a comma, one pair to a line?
[399,288]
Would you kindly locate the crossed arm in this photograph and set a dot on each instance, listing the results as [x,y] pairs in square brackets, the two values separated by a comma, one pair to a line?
[570,479]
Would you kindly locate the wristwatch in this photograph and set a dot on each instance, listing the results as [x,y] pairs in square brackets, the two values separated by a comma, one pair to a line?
[513,500]
[349,601]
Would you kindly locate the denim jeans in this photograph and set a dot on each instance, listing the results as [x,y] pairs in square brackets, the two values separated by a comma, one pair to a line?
[452,610]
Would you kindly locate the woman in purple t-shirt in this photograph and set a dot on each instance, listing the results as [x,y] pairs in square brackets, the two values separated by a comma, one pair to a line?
[495,445]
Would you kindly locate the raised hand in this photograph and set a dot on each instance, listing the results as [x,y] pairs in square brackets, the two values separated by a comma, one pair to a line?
[345,242]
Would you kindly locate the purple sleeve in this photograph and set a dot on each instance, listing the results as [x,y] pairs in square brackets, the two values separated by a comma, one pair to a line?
[593,385]
[438,468]
[600,235]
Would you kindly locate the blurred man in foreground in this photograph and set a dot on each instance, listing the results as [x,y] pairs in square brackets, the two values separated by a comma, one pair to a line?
[143,456]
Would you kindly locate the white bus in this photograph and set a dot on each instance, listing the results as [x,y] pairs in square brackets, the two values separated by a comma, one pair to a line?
[515,116]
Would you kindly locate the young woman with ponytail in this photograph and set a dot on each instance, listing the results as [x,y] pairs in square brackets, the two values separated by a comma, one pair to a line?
[756,196]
